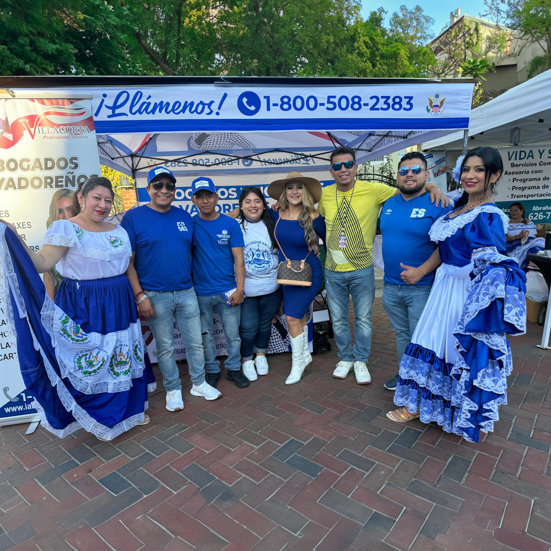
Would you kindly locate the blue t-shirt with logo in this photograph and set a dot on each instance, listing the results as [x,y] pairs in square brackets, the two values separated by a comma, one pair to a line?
[213,263]
[405,228]
[162,243]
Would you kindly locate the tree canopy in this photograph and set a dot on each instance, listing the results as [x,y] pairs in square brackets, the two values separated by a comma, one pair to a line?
[531,21]
[202,37]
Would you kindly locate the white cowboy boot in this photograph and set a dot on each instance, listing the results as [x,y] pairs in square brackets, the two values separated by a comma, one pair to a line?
[307,355]
[297,367]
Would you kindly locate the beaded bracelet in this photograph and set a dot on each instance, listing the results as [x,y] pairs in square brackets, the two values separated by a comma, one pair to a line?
[138,294]
[140,300]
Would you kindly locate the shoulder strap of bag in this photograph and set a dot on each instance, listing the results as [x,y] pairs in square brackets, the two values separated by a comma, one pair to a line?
[279,244]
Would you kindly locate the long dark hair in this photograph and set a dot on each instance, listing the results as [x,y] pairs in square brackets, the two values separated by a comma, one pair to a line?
[86,187]
[493,163]
[522,209]
[266,216]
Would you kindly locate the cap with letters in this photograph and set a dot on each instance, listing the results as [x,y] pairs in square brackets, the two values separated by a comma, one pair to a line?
[202,183]
[159,171]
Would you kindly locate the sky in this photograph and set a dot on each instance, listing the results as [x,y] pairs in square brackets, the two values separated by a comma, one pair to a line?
[439,11]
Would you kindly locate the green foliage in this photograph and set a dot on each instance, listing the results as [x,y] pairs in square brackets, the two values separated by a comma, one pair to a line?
[531,21]
[191,37]
[539,64]
[476,68]
[67,37]
[413,25]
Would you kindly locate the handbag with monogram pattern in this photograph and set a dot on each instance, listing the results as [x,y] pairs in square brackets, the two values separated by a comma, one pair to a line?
[293,272]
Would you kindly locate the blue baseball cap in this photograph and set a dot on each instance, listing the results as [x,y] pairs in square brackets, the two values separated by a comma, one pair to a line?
[202,183]
[159,171]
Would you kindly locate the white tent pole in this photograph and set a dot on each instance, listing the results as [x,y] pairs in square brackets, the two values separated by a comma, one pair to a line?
[547,327]
[465,140]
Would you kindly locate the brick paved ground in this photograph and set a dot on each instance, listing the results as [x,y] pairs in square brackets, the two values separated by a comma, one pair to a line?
[311,466]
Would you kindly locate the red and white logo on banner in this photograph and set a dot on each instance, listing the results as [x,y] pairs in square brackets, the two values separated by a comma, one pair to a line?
[53,117]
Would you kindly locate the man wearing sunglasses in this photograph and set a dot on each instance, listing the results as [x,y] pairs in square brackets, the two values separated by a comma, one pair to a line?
[160,274]
[350,208]
[409,256]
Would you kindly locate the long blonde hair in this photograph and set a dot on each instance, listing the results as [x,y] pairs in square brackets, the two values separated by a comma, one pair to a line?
[53,212]
[306,215]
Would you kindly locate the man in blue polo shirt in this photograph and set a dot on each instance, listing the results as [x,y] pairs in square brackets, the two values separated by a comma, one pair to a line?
[409,256]
[160,274]
[219,279]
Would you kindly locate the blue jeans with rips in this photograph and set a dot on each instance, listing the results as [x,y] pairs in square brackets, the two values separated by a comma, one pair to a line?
[230,316]
[403,305]
[178,307]
[340,286]
[256,322]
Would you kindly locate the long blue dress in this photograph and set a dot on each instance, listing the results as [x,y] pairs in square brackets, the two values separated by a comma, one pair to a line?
[533,244]
[454,371]
[290,234]
[83,357]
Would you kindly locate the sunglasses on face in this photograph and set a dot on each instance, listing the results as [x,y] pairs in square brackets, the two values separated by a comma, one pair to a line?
[347,164]
[416,169]
[157,186]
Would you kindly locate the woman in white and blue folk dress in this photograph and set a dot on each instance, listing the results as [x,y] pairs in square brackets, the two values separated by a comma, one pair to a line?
[521,235]
[82,357]
[454,371]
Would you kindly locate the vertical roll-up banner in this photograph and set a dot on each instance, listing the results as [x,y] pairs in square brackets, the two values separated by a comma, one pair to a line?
[47,148]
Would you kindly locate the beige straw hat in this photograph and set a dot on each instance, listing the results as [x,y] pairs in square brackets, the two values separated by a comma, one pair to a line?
[275,189]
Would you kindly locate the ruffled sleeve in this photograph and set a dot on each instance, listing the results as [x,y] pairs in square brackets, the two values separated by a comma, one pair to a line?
[532,229]
[61,233]
[486,230]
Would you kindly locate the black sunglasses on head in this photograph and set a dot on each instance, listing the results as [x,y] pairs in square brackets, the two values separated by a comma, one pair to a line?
[347,164]
[157,186]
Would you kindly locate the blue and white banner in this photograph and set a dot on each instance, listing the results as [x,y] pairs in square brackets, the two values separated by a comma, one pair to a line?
[248,108]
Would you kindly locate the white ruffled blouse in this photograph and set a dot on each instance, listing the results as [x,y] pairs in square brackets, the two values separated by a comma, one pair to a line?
[91,255]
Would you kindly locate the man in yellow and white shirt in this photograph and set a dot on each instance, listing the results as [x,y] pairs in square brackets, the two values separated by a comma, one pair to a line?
[350,208]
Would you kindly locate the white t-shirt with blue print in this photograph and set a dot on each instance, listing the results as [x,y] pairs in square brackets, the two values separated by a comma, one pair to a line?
[261,260]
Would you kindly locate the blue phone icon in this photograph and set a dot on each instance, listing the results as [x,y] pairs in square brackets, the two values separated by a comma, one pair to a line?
[248,103]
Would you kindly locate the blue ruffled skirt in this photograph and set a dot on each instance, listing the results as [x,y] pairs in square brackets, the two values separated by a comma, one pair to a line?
[82,358]
[516,250]
[454,372]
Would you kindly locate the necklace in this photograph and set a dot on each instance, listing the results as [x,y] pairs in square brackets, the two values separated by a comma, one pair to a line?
[474,203]
[342,241]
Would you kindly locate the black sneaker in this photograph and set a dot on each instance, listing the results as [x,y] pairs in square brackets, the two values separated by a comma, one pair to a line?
[238,378]
[391,383]
[212,378]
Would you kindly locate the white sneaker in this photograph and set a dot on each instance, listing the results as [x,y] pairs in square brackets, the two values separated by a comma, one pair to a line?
[174,401]
[261,363]
[363,376]
[249,371]
[206,391]
[343,369]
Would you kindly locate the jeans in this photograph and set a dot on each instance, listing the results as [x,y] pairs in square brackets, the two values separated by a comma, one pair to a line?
[256,322]
[230,316]
[360,285]
[404,305]
[180,307]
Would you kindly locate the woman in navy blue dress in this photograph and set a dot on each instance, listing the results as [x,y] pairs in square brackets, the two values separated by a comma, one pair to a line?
[298,225]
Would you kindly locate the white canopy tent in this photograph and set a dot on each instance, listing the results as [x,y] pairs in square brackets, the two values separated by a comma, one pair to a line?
[520,116]
[240,128]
